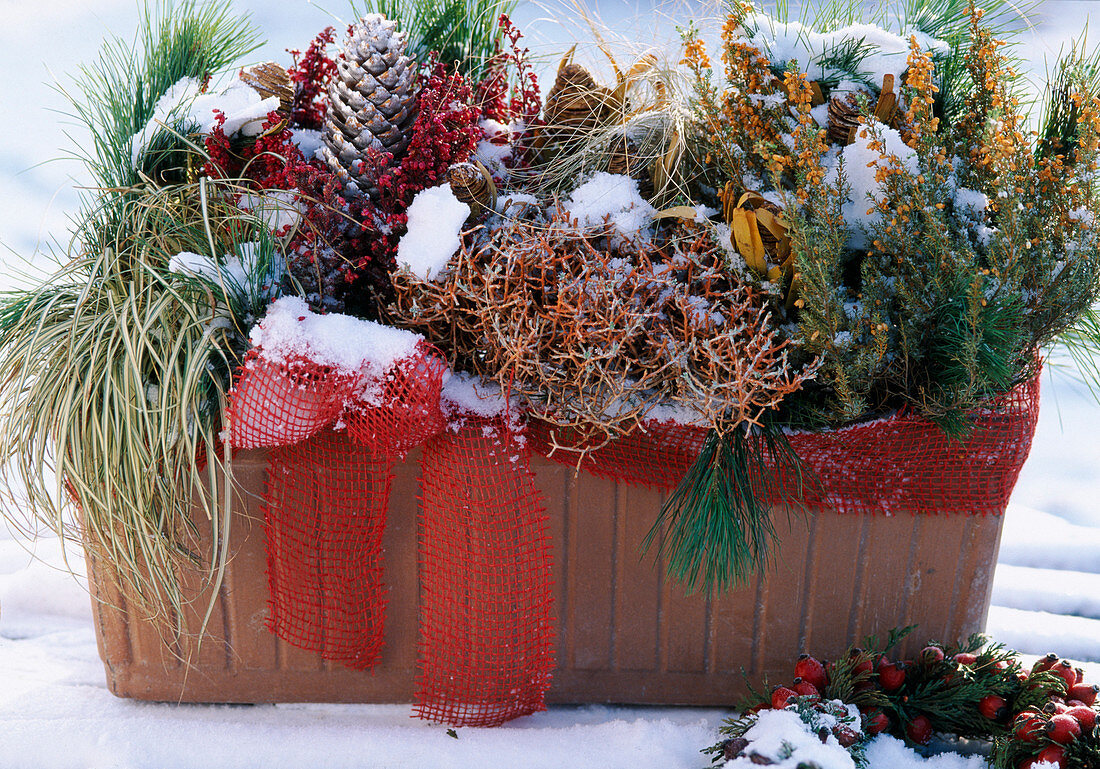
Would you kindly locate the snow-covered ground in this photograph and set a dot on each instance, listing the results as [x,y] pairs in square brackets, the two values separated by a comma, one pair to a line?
[54,708]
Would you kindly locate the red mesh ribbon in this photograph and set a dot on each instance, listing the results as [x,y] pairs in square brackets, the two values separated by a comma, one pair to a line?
[486,649]
[486,632]
[324,516]
[900,463]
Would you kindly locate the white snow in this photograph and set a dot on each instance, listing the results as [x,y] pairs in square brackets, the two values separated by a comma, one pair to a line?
[891,753]
[467,395]
[436,218]
[1036,589]
[184,108]
[782,732]
[861,163]
[290,330]
[494,150]
[238,274]
[887,53]
[308,141]
[277,209]
[613,199]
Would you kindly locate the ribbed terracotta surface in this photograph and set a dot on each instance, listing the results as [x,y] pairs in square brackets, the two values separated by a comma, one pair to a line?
[625,634]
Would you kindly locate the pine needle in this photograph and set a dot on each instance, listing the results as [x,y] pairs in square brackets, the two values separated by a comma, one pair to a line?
[717,525]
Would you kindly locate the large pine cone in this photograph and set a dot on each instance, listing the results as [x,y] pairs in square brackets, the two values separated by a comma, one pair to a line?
[372,103]
[473,185]
[625,159]
[843,119]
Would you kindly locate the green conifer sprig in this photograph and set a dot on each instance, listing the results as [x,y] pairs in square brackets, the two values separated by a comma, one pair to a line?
[716,528]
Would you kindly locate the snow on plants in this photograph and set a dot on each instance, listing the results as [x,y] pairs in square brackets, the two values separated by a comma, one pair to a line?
[467,394]
[884,52]
[434,233]
[246,274]
[610,199]
[279,210]
[795,737]
[291,331]
[861,161]
[185,108]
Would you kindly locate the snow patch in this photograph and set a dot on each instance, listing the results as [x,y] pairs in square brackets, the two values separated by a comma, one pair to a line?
[886,52]
[184,108]
[886,751]
[613,199]
[861,163]
[290,330]
[309,141]
[434,234]
[785,741]
[241,274]
[467,395]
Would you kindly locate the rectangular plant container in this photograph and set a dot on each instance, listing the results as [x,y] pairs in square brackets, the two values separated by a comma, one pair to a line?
[624,633]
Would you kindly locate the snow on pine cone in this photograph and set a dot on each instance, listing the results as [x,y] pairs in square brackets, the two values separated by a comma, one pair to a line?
[372,101]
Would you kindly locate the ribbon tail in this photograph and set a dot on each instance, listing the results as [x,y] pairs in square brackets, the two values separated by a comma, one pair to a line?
[324,514]
[486,647]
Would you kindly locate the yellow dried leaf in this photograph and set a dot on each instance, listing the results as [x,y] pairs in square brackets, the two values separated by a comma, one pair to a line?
[746,235]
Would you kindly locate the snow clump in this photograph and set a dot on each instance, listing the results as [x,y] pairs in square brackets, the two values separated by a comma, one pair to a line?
[434,234]
[291,331]
[610,198]
[185,109]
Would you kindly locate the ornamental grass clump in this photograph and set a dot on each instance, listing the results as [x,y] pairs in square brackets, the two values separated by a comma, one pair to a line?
[114,372]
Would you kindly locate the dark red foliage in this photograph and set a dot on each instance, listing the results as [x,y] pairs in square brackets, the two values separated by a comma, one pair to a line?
[344,246]
[312,75]
[445,132]
[509,92]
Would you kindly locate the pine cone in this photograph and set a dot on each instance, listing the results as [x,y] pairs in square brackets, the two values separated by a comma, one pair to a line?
[844,113]
[473,185]
[577,104]
[843,119]
[372,103]
[270,79]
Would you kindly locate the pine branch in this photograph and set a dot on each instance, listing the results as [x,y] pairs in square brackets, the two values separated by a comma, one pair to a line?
[716,528]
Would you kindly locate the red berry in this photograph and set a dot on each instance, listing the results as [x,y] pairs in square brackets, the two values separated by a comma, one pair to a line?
[864,666]
[805,688]
[845,736]
[919,730]
[1086,693]
[1065,670]
[1054,707]
[966,658]
[1045,663]
[1052,754]
[811,670]
[780,697]
[1062,729]
[993,707]
[930,655]
[876,722]
[891,675]
[1028,725]
[1085,716]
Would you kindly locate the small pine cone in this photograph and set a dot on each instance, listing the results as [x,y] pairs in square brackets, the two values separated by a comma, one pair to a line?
[372,101]
[843,119]
[270,79]
[473,185]
[576,104]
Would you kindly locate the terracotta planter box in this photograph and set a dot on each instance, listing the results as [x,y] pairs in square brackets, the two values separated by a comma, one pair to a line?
[624,634]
